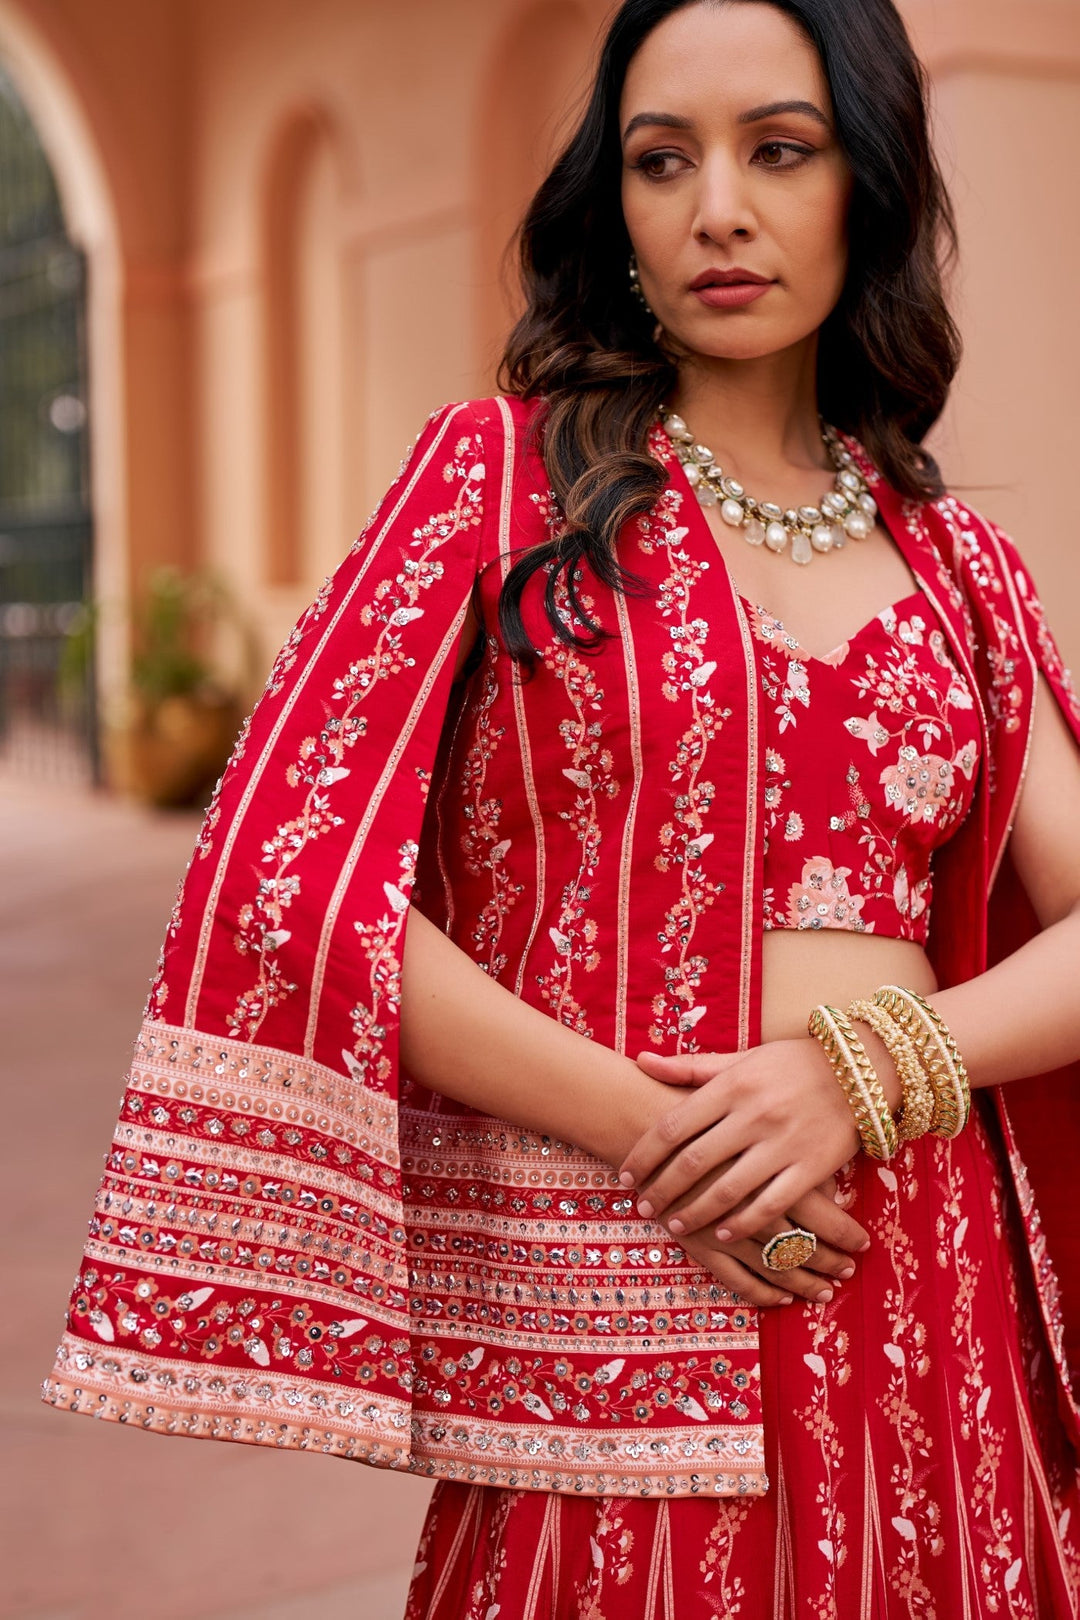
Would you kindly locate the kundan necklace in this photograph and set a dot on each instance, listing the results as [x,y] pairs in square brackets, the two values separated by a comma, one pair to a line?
[846,512]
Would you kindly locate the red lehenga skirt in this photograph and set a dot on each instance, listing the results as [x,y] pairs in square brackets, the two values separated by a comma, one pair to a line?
[918,1467]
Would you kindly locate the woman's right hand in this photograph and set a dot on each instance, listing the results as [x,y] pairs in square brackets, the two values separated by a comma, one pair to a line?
[738,1266]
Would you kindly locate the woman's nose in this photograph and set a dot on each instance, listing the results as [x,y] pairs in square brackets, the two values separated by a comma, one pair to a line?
[724,207]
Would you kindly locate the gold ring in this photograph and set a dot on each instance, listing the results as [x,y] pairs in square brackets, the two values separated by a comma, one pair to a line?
[789,1249]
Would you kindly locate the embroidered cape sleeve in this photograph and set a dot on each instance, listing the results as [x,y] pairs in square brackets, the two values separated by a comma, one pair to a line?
[1041,638]
[245,1276]
[1040,1116]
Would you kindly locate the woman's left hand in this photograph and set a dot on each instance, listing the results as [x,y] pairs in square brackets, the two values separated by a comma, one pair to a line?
[776,1112]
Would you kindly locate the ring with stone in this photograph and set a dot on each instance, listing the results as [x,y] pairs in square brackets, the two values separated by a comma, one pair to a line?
[789,1249]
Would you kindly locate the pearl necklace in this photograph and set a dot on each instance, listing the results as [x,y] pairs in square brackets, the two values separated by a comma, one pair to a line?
[846,512]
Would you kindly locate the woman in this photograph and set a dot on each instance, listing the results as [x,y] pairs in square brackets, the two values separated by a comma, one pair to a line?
[645,813]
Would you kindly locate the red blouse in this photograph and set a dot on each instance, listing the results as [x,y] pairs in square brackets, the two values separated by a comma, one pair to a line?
[870,763]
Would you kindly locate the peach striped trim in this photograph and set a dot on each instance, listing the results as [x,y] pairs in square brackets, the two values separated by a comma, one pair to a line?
[1037,1474]
[783,1572]
[528,777]
[444,788]
[203,948]
[1033,664]
[374,805]
[873,1557]
[958,644]
[113,1383]
[750,897]
[967,1563]
[552,1511]
[472,1512]
[660,1567]
[633,698]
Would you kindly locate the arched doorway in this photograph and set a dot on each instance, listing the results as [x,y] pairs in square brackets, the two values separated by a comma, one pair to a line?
[47,720]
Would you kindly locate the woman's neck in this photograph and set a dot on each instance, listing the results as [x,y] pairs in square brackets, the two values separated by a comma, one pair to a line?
[759,417]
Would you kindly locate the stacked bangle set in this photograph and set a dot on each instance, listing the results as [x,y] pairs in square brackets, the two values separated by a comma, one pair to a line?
[936,1090]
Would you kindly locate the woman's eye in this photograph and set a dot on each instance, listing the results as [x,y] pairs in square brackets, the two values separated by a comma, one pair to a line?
[782,155]
[658,165]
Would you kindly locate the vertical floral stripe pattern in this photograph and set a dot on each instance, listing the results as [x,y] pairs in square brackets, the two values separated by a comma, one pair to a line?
[907,1482]
[295,1245]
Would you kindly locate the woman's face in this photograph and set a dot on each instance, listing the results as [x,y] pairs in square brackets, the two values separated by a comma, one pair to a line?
[731,163]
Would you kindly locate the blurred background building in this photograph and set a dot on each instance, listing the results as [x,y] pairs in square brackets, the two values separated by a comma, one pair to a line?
[245,247]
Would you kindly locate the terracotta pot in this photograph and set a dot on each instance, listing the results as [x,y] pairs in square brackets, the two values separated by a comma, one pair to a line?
[176,750]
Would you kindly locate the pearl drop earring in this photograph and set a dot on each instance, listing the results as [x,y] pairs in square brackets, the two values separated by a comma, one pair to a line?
[635,285]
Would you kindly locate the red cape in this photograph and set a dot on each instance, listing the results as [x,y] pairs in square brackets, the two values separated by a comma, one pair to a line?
[266,1262]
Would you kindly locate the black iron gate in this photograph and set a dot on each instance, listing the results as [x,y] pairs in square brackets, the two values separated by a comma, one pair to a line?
[47,720]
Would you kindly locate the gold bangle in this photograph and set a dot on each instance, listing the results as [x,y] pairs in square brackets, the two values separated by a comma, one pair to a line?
[938,1053]
[855,1072]
[917,1108]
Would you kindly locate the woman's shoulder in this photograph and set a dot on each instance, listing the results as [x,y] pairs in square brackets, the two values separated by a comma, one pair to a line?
[506,437]
[997,574]
[491,414]
[482,454]
[985,549]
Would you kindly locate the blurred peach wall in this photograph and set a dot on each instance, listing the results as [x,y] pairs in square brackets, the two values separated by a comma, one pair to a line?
[296,214]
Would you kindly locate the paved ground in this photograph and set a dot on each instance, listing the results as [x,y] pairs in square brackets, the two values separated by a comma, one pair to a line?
[99,1522]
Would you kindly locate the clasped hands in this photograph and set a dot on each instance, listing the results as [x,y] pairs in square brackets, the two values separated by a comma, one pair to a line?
[752,1148]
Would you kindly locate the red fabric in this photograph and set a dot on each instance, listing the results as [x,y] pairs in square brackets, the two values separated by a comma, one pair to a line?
[912,1472]
[294,1244]
[870,758]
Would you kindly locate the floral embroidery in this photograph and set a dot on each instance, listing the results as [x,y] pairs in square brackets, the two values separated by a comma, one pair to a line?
[785,681]
[356,1231]
[575,933]
[1002,1561]
[541,1388]
[320,763]
[913,1516]
[481,845]
[684,839]
[380,943]
[1004,651]
[725,1599]
[915,727]
[286,658]
[610,1545]
[827,1362]
[1048,651]
[822,899]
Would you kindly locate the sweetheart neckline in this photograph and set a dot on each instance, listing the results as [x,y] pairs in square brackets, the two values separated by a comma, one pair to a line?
[829,658]
[677,471]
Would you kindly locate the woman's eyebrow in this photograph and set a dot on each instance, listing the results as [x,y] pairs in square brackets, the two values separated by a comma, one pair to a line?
[770,108]
[665,120]
[753,115]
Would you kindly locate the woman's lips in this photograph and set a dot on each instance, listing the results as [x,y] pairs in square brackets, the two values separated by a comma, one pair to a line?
[732,295]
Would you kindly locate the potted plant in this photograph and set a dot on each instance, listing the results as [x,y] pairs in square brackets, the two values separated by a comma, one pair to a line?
[184,721]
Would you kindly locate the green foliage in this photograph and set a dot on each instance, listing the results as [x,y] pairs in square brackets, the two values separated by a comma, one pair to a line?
[168,618]
[77,655]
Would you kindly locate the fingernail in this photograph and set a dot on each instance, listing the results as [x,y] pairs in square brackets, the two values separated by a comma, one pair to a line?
[626,1178]
[675,1225]
[848,1271]
[787,1299]
[644,1207]
[723,1235]
[824,1297]
[863,1246]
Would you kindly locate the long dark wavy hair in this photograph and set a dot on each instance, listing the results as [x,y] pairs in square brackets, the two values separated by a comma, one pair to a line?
[886,356]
